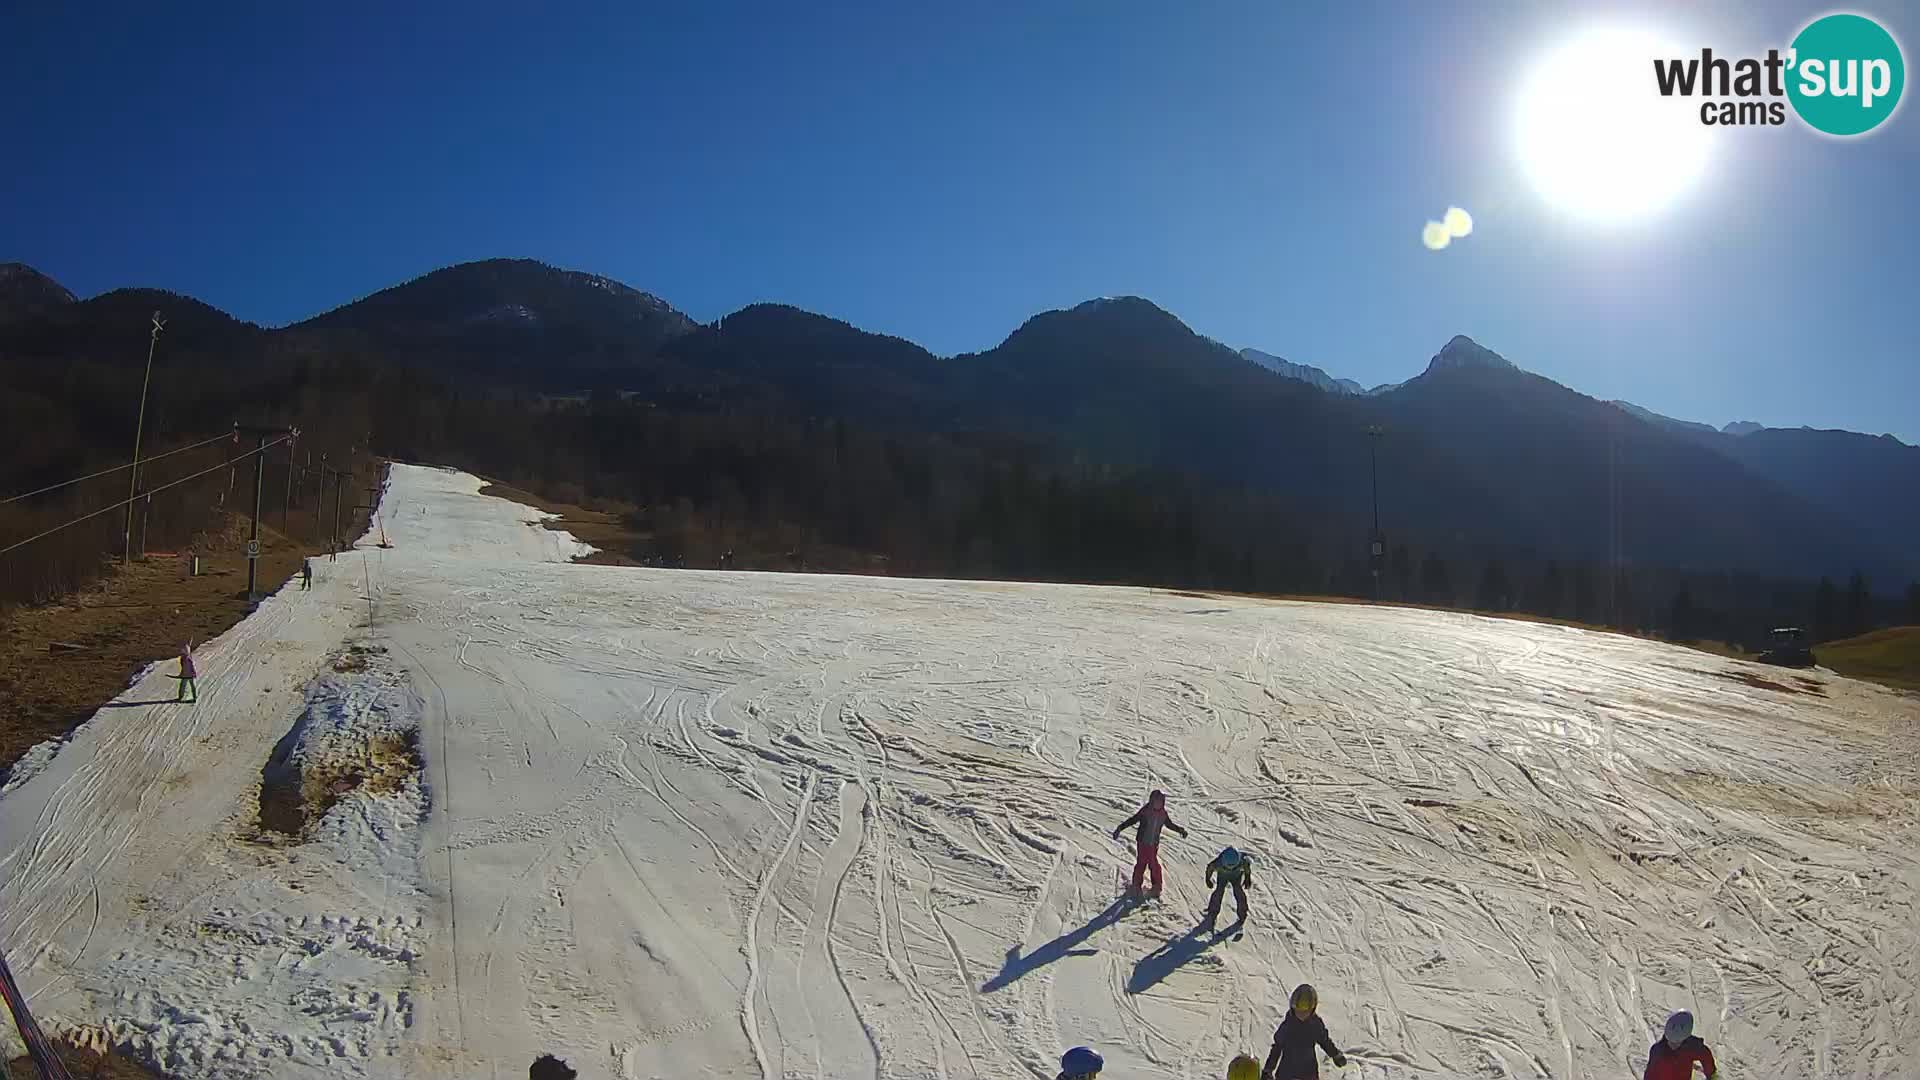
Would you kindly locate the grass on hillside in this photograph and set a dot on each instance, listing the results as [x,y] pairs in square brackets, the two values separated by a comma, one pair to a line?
[605,530]
[87,1063]
[1890,657]
[129,618]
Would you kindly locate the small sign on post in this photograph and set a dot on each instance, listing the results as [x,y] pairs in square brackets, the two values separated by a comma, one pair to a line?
[253,549]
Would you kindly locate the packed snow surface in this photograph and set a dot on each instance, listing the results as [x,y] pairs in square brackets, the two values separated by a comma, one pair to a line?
[724,825]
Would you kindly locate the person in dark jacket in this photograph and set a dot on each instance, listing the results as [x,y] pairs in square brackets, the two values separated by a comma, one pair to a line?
[1150,819]
[1292,1057]
[548,1067]
[306,574]
[1678,1051]
[1230,867]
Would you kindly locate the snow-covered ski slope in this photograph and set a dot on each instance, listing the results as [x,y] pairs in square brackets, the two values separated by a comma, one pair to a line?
[744,825]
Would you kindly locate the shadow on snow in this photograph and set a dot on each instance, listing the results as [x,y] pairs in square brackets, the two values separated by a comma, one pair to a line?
[1171,957]
[1065,945]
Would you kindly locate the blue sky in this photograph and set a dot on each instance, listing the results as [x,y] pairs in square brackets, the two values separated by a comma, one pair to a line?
[942,172]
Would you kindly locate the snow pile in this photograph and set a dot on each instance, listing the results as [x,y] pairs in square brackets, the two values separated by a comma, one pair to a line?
[347,775]
[32,763]
[262,977]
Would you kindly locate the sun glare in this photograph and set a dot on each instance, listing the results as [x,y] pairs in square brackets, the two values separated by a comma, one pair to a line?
[1594,135]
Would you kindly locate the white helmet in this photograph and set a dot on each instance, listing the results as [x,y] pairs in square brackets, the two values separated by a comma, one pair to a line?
[1679,1028]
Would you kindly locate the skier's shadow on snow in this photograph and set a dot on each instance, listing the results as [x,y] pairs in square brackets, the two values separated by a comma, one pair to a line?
[1169,958]
[1065,945]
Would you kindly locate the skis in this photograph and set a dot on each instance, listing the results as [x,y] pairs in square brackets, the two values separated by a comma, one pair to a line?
[1233,931]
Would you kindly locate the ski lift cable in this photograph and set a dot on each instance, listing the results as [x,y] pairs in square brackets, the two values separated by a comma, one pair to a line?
[145,494]
[115,469]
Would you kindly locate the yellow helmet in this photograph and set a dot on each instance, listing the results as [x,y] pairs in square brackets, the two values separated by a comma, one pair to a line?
[1304,997]
[1243,1068]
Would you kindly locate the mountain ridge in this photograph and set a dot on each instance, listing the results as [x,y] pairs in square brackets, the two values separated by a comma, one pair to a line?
[1478,450]
[25,291]
[1462,346]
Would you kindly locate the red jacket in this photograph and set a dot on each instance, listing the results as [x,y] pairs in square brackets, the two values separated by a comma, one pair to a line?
[1151,819]
[1666,1063]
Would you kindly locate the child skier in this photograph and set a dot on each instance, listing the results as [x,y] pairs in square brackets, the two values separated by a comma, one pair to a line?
[1243,1068]
[1151,818]
[1678,1051]
[1228,868]
[1080,1063]
[1292,1057]
[188,692]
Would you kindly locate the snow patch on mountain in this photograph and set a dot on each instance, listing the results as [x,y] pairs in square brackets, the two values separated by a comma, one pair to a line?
[1661,420]
[1305,373]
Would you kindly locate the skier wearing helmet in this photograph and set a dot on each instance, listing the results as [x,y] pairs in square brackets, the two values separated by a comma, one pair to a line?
[1678,1051]
[1230,867]
[1080,1063]
[1243,1068]
[1151,818]
[1292,1057]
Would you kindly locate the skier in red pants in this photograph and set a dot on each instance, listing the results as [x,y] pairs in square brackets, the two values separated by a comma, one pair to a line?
[1151,819]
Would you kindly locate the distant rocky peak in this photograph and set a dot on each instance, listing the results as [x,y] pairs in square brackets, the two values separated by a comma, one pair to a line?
[1464,352]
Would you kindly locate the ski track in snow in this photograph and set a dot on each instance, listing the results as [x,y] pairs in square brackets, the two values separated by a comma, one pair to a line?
[765,825]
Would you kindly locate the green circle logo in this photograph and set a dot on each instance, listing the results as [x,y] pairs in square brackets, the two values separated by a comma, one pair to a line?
[1846,74]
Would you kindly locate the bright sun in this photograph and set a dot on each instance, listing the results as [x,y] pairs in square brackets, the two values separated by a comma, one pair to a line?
[1594,135]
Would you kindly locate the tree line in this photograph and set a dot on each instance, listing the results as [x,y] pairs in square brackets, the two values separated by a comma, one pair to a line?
[705,484]
[719,488]
[71,420]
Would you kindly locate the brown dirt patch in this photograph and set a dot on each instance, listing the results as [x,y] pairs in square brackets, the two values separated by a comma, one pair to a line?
[355,659]
[134,616]
[86,1063]
[607,532]
[289,804]
[1777,799]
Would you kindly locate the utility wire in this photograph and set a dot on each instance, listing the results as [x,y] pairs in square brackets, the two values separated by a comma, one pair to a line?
[115,469]
[148,493]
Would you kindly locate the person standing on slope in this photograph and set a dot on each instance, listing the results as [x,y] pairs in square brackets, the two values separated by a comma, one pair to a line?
[306,574]
[189,693]
[1292,1057]
[1678,1051]
[1150,819]
[1230,867]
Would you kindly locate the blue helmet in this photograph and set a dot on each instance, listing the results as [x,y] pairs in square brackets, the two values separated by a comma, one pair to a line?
[1230,858]
[1080,1061]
